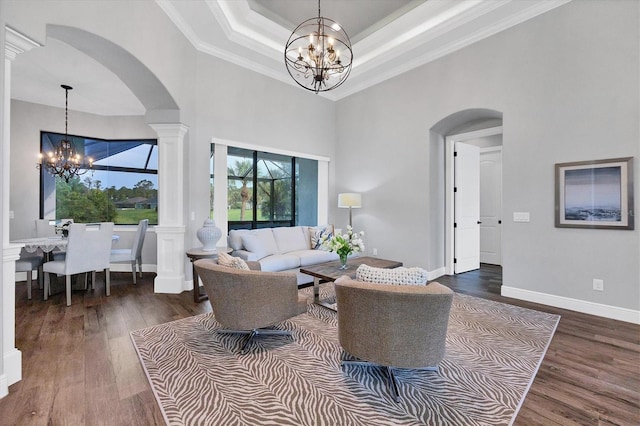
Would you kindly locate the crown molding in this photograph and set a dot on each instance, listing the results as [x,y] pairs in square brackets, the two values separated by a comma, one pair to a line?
[16,43]
[427,32]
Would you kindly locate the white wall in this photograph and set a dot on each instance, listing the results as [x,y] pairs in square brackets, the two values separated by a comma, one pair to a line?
[567,85]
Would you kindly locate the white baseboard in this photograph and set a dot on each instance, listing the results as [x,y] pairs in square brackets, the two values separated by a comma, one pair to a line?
[4,386]
[170,285]
[13,366]
[606,311]
[188,285]
[432,275]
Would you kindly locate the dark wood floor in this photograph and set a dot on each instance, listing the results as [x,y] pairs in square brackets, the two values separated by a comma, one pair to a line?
[80,368]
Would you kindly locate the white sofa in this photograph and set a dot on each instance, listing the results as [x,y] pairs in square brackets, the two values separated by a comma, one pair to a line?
[279,249]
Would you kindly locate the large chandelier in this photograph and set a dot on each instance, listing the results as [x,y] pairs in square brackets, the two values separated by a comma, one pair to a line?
[65,161]
[318,54]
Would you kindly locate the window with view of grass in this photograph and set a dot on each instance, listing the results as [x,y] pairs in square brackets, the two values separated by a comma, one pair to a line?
[122,186]
[267,189]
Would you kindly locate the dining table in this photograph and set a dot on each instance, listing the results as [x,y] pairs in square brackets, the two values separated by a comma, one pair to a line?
[48,244]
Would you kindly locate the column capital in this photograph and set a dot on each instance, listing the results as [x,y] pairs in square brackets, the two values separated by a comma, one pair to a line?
[16,43]
[169,130]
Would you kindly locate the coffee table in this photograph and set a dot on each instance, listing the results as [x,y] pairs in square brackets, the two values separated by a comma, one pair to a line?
[330,271]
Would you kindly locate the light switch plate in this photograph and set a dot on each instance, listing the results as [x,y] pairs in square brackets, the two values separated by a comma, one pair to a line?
[521,216]
[598,284]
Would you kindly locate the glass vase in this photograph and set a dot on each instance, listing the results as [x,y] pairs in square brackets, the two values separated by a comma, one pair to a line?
[343,261]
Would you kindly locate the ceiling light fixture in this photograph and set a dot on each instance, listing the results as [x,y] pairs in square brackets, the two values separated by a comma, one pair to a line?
[64,161]
[318,54]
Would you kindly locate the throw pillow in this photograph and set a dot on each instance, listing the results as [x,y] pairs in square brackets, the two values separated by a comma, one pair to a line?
[317,232]
[399,276]
[225,259]
[261,243]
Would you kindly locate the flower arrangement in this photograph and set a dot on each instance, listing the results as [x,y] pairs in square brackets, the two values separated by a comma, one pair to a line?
[63,229]
[344,244]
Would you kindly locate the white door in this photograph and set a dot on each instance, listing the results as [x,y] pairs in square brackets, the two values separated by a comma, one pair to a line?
[491,206]
[466,207]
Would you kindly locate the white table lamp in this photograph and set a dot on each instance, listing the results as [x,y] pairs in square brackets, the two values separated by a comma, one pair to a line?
[349,200]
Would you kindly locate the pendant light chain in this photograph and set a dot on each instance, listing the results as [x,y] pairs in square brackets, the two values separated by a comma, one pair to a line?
[64,161]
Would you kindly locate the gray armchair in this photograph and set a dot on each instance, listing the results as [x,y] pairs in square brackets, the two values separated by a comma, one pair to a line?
[387,325]
[249,301]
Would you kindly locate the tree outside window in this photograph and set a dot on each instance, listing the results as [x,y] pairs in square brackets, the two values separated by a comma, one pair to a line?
[121,187]
[262,189]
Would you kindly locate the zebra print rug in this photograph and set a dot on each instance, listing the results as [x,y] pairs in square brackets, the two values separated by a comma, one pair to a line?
[492,355]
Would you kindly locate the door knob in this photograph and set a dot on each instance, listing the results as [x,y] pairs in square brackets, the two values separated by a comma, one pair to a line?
[479,222]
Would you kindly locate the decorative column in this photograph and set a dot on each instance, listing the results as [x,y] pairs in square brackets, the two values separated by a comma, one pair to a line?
[171,227]
[11,371]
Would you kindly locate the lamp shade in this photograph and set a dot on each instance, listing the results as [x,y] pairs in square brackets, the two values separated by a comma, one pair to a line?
[349,199]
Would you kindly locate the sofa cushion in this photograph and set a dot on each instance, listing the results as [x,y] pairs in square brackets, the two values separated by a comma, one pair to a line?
[260,242]
[313,257]
[290,239]
[317,232]
[235,238]
[279,262]
[231,261]
[400,276]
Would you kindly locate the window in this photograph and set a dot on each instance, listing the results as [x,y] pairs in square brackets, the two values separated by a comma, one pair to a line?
[122,187]
[263,189]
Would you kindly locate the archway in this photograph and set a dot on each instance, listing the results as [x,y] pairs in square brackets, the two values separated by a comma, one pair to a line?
[162,114]
[160,105]
[441,224]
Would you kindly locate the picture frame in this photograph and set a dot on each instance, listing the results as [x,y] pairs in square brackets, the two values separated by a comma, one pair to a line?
[595,194]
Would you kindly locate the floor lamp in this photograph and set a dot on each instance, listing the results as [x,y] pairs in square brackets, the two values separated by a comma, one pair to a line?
[349,200]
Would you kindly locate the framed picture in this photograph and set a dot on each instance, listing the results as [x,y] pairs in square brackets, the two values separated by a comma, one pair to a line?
[595,194]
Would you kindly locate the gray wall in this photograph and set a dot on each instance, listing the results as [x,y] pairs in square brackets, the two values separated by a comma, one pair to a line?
[567,85]
[236,104]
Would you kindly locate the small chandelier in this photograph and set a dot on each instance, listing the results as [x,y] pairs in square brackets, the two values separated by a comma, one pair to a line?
[64,161]
[318,54]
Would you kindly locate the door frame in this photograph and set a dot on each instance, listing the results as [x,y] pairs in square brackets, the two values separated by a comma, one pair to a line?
[450,141]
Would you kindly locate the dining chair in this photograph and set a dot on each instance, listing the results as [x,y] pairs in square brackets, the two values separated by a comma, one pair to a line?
[29,262]
[133,254]
[88,250]
[47,228]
